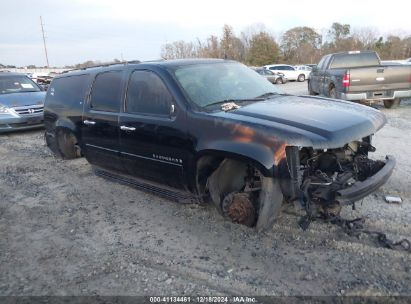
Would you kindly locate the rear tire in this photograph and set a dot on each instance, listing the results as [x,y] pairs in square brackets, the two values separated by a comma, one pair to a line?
[279,81]
[332,93]
[301,78]
[392,103]
[67,145]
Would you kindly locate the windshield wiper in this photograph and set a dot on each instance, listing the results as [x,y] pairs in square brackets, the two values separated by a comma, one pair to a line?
[268,94]
[234,101]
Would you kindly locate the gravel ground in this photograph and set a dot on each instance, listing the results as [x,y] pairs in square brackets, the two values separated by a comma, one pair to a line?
[65,231]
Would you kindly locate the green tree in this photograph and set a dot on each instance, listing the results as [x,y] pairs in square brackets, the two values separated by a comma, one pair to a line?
[262,50]
[300,44]
[338,31]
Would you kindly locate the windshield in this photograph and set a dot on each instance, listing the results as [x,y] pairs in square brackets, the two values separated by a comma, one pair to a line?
[17,84]
[207,84]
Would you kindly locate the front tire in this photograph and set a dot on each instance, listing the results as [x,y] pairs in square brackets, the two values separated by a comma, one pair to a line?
[301,78]
[392,103]
[310,90]
[279,81]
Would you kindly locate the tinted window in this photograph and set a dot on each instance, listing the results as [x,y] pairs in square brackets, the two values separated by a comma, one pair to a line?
[275,68]
[327,62]
[320,65]
[289,68]
[68,90]
[106,92]
[147,94]
[354,60]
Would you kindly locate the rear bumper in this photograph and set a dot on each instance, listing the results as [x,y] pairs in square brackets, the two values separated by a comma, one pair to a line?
[369,96]
[14,123]
[361,189]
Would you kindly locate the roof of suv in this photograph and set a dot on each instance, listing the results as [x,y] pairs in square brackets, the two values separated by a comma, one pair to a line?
[165,63]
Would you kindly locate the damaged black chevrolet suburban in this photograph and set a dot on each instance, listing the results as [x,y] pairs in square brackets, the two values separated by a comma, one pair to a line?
[215,131]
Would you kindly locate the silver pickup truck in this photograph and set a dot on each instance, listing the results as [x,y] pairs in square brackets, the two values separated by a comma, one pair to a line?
[360,76]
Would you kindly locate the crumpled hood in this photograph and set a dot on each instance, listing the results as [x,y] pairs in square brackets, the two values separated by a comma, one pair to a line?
[311,121]
[22,99]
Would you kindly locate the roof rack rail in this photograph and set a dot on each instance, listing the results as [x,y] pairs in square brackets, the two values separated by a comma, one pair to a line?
[104,65]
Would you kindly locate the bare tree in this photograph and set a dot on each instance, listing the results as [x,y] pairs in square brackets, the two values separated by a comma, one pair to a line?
[231,46]
[178,50]
[366,37]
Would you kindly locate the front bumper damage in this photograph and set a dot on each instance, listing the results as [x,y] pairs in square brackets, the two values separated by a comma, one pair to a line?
[361,189]
[321,181]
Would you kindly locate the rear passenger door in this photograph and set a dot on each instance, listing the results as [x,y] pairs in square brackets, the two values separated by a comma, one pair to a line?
[152,135]
[100,129]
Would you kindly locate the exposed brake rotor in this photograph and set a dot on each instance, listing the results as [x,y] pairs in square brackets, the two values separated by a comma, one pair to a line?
[239,209]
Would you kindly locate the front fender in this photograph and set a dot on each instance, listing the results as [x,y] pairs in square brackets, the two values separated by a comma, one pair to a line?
[264,158]
[63,123]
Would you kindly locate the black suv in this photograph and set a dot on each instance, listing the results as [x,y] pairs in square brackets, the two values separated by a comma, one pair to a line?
[214,130]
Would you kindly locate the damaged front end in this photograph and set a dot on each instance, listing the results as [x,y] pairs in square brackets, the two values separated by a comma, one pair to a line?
[323,180]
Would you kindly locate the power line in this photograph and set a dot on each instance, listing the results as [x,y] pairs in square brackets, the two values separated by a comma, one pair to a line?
[44,40]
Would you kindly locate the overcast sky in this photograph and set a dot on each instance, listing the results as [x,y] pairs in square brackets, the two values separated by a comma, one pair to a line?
[106,29]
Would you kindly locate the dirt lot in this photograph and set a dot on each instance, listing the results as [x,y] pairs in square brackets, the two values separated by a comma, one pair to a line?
[65,231]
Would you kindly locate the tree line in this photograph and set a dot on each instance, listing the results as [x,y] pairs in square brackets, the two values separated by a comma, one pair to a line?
[299,45]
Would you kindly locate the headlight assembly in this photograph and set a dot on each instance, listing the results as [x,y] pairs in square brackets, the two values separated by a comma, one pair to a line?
[4,110]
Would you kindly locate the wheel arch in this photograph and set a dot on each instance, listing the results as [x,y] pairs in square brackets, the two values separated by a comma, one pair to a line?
[62,127]
[217,171]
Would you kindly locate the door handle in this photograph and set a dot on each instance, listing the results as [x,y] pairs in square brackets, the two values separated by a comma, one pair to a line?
[125,128]
[89,122]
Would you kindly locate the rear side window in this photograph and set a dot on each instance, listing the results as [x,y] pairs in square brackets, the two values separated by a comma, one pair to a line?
[147,94]
[354,60]
[106,92]
[279,67]
[321,63]
[68,91]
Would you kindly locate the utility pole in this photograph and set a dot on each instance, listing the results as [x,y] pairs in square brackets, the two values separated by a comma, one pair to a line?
[44,41]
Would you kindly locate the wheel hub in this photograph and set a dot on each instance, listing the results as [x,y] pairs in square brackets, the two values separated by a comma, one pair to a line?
[239,209]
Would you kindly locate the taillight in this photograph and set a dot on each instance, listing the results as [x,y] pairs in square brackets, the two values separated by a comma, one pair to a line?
[346,80]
